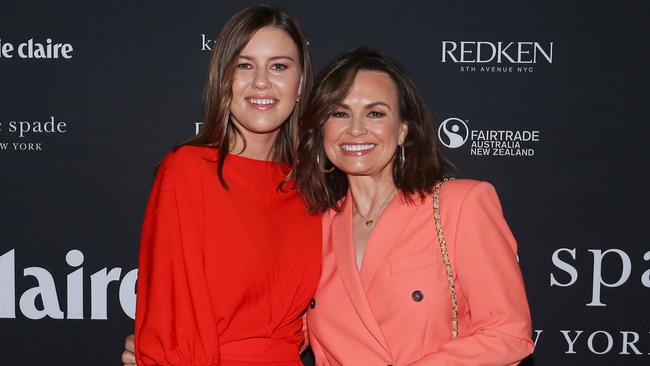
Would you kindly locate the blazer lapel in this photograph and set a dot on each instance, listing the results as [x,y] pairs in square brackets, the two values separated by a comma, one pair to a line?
[341,241]
[388,229]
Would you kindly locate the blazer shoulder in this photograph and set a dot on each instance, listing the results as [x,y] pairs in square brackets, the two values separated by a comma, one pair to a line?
[459,191]
[463,187]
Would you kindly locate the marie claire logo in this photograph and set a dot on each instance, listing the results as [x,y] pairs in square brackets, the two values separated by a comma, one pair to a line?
[504,57]
[19,130]
[454,133]
[33,49]
[42,300]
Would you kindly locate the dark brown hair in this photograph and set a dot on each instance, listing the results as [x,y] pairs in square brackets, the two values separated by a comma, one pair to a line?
[423,165]
[218,129]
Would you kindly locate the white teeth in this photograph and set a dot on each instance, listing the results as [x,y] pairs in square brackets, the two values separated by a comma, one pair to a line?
[357,147]
[262,101]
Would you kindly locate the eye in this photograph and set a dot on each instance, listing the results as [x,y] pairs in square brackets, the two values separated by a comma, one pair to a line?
[375,114]
[244,66]
[278,67]
[339,114]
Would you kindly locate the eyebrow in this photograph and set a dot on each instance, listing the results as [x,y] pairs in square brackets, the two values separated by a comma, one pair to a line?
[371,105]
[379,103]
[274,58]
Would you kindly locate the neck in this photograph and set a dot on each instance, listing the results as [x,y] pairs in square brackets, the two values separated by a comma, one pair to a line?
[369,193]
[257,146]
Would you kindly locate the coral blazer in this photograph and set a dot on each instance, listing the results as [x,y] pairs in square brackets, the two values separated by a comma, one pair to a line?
[397,309]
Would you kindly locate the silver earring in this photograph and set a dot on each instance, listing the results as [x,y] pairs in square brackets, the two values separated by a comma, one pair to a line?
[401,154]
[298,99]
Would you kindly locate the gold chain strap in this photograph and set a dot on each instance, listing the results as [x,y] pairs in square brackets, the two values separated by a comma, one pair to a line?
[445,256]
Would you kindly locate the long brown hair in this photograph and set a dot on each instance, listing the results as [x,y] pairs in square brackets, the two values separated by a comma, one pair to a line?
[218,129]
[418,173]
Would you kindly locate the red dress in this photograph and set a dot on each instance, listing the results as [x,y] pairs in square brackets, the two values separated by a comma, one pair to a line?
[224,275]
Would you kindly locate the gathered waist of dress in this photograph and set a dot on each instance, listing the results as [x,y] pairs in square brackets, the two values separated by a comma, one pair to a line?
[260,351]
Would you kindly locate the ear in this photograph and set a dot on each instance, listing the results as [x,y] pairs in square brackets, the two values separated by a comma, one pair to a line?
[403,132]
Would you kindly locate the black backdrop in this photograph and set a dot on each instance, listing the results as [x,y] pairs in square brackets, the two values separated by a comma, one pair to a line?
[565,87]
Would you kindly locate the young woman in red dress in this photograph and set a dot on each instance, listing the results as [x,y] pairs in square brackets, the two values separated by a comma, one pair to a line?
[229,259]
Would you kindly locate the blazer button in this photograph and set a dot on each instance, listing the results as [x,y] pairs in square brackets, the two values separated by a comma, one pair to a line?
[312,303]
[417,296]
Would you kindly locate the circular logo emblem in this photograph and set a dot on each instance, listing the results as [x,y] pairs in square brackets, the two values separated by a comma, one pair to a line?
[453,132]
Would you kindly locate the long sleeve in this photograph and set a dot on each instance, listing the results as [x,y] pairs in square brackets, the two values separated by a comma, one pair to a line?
[174,321]
[488,275]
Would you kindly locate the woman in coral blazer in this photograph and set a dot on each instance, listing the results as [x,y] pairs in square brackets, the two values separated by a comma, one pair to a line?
[368,160]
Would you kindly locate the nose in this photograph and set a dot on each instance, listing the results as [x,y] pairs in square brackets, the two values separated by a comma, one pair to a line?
[261,80]
[357,127]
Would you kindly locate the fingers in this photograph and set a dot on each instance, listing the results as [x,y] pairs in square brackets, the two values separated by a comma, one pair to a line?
[129,343]
[128,356]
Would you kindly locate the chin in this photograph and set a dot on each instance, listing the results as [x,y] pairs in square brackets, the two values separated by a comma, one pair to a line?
[265,129]
[264,125]
[357,171]
[365,170]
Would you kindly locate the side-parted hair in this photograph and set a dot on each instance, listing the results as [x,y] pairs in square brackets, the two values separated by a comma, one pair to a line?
[423,165]
[218,130]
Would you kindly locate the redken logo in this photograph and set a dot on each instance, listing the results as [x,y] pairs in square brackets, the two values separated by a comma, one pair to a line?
[497,52]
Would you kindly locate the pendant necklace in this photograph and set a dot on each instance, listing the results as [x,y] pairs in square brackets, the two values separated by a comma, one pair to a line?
[370,221]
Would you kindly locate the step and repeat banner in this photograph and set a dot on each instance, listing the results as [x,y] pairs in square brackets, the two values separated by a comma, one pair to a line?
[546,100]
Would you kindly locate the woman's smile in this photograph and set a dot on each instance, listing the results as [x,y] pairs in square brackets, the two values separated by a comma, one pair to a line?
[357,149]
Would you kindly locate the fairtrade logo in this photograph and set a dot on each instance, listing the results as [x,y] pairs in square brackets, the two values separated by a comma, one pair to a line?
[453,132]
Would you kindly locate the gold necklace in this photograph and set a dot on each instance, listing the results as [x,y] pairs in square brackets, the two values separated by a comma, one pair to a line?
[368,221]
